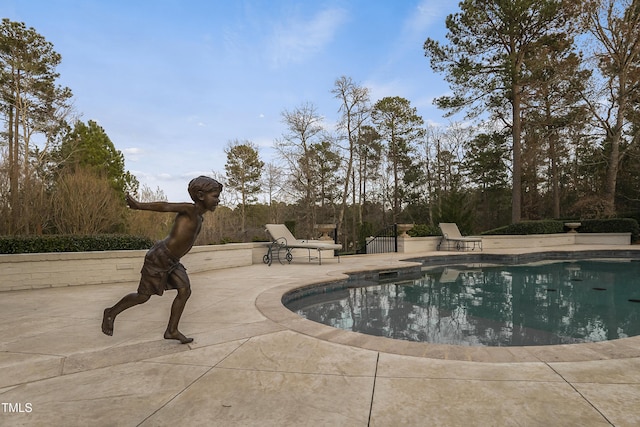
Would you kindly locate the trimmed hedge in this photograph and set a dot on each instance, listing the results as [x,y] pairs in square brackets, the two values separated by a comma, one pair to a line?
[529,227]
[610,225]
[424,230]
[72,243]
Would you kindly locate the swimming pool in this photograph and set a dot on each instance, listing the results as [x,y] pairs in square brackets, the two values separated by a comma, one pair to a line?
[538,303]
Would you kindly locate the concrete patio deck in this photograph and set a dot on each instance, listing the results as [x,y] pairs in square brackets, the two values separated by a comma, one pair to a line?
[254,363]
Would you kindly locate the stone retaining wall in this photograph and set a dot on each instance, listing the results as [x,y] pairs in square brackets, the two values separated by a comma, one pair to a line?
[560,239]
[34,271]
[422,244]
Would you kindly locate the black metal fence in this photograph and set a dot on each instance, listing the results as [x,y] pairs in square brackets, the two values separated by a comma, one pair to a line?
[383,242]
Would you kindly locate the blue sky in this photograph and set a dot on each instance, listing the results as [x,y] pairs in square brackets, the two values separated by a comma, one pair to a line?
[173,82]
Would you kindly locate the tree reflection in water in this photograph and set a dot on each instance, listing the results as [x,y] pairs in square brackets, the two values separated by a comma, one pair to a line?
[532,304]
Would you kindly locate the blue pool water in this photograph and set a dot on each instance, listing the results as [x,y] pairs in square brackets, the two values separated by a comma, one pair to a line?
[540,303]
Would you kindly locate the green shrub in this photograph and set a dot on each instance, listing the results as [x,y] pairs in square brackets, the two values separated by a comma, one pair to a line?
[529,227]
[611,225]
[72,243]
[424,230]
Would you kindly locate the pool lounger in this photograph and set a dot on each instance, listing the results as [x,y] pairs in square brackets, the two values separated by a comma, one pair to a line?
[451,234]
[283,240]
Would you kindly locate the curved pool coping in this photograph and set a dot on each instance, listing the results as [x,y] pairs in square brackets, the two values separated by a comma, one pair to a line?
[270,304]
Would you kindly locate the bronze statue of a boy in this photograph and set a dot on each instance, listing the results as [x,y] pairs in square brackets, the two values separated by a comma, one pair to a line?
[162,269]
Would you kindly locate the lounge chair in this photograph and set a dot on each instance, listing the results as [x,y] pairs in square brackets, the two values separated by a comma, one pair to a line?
[283,240]
[451,235]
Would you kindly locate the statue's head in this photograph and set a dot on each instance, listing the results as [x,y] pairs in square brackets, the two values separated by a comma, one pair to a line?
[205,184]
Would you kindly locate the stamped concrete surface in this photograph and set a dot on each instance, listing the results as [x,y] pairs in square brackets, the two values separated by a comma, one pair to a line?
[254,363]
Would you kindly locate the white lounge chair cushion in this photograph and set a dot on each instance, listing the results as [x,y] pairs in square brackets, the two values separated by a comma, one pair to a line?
[281,231]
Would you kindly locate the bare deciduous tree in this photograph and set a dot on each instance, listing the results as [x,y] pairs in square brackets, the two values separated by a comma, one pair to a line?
[304,128]
[615,25]
[84,203]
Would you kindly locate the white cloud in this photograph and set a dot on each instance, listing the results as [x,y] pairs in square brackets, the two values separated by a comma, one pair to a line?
[196,120]
[133,153]
[427,13]
[379,90]
[297,39]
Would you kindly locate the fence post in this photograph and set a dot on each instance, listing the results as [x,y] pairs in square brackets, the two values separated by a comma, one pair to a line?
[395,237]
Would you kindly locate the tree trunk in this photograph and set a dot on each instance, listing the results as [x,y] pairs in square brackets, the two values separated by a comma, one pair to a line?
[611,176]
[516,192]
[555,181]
[13,172]
[345,194]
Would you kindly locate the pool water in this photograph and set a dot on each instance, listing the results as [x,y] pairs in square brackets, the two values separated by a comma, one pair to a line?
[541,303]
